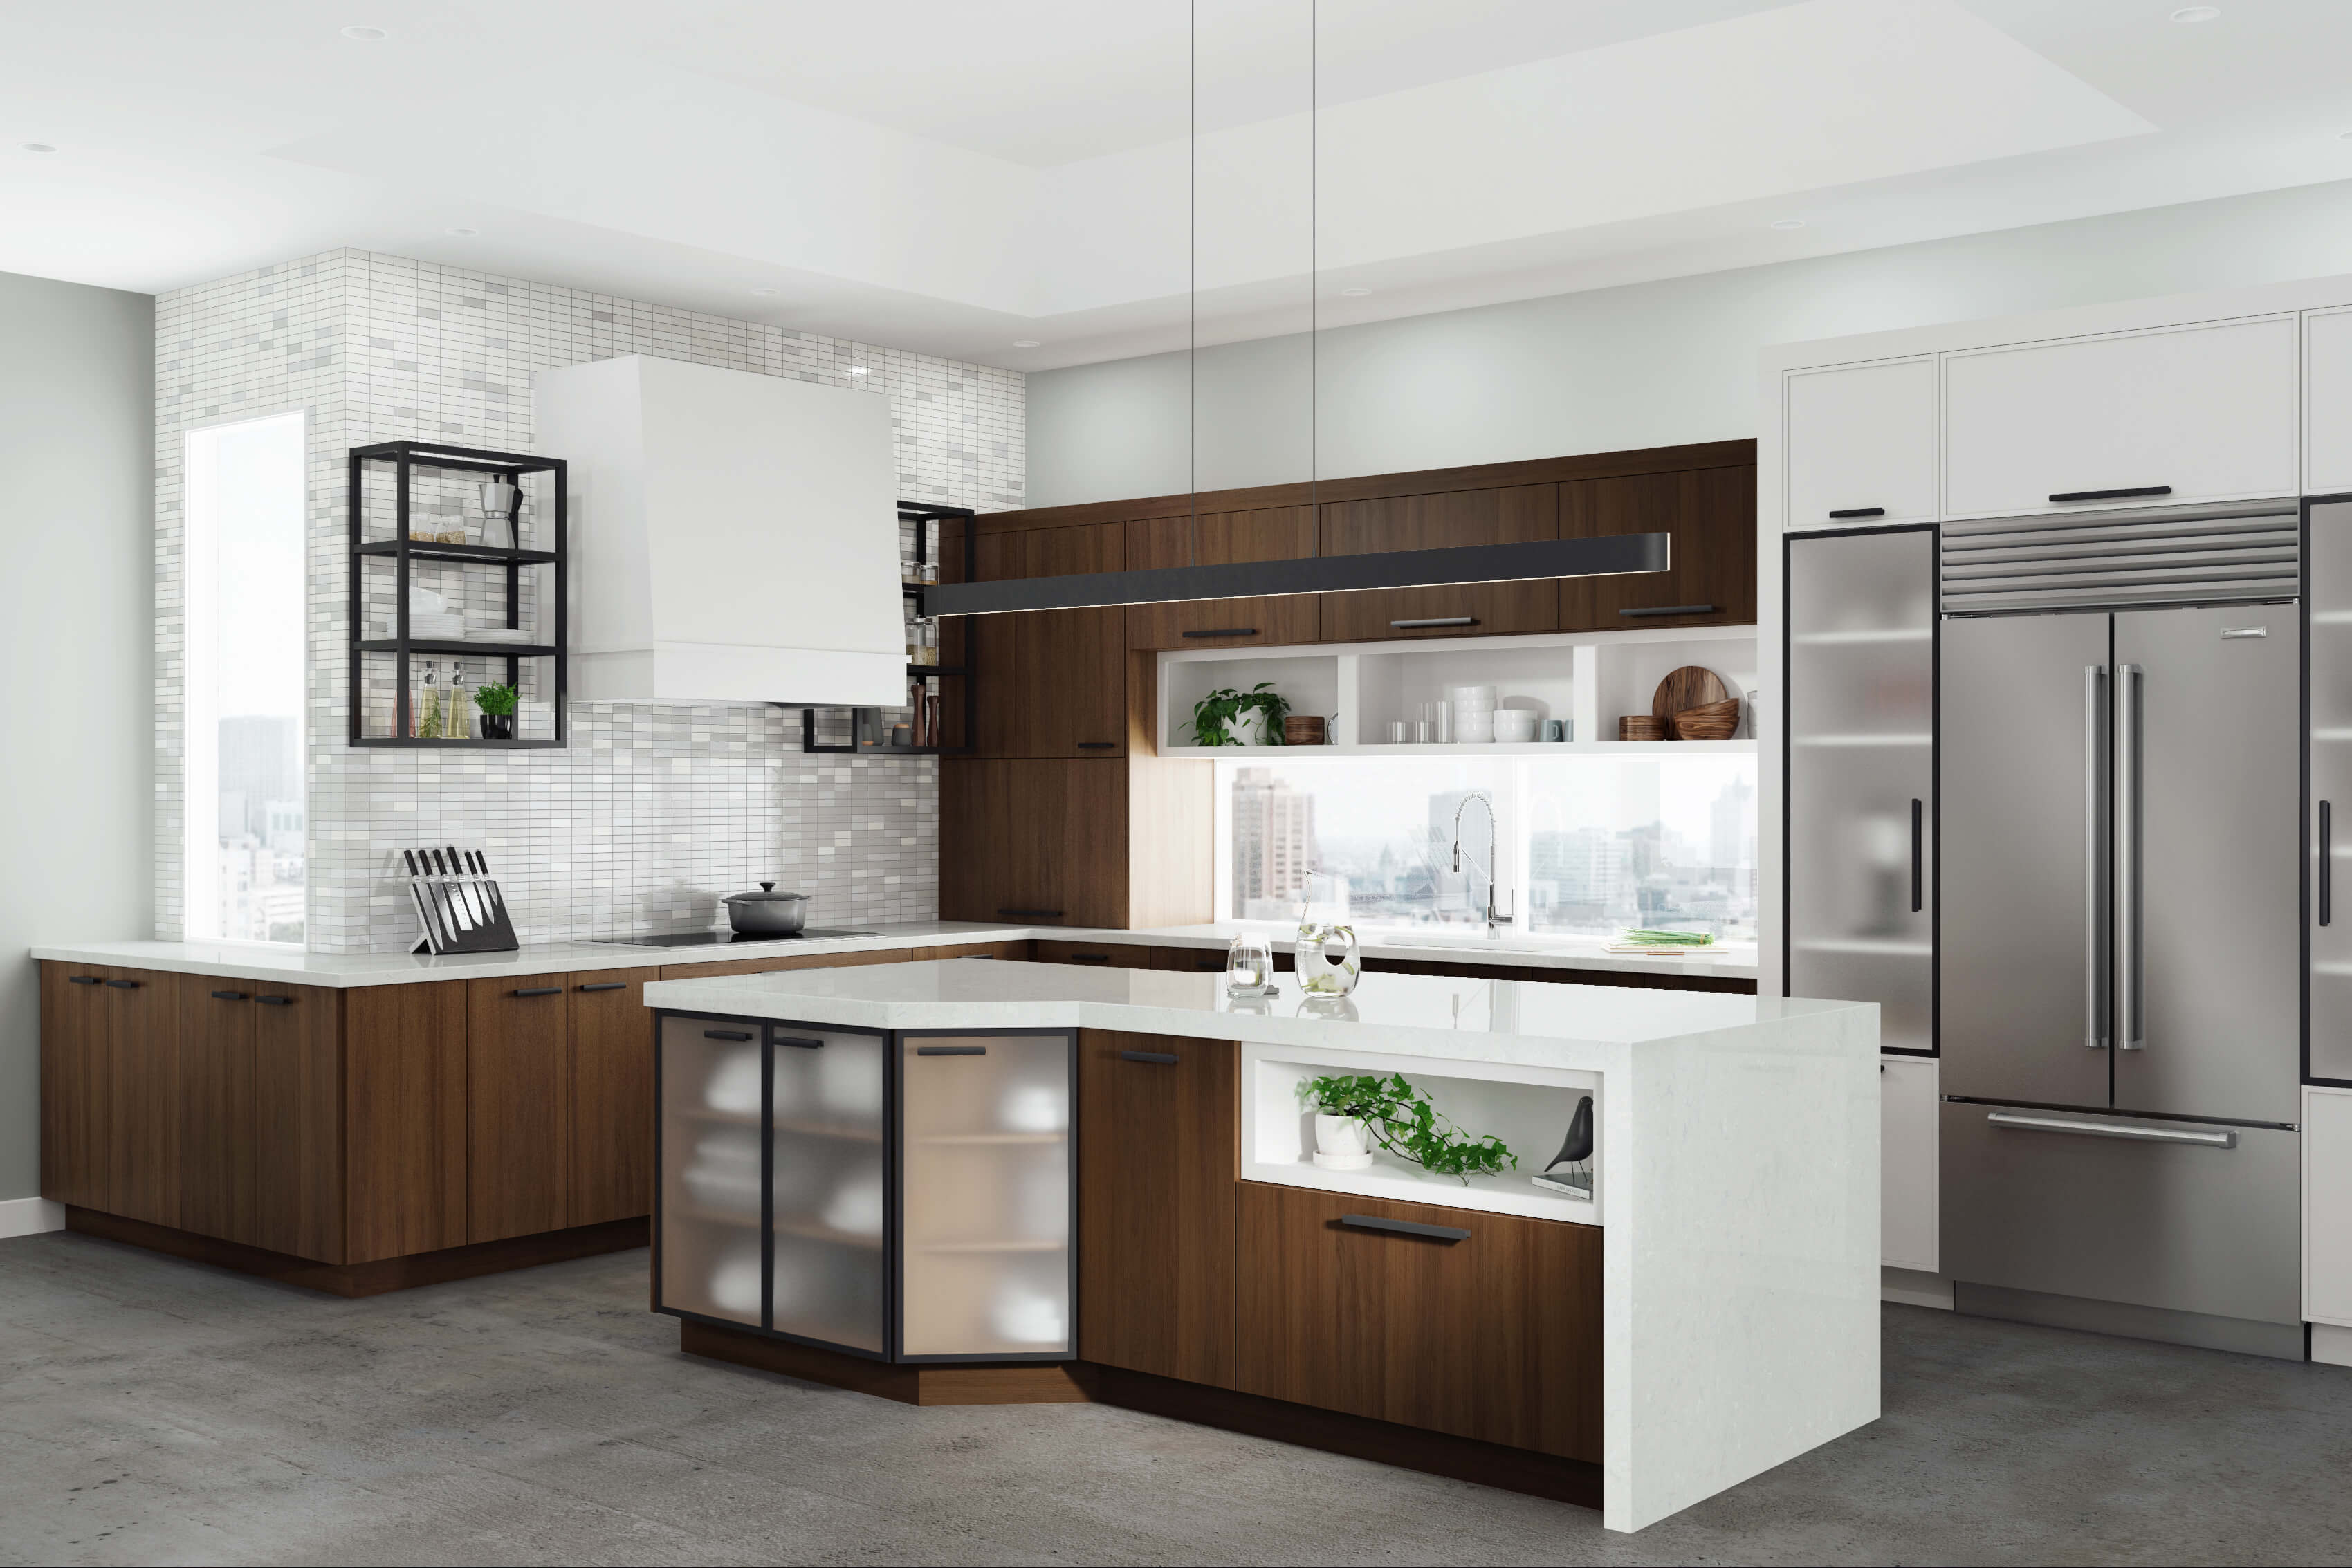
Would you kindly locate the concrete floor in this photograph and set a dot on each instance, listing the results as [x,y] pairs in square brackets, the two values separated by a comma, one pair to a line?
[153,1411]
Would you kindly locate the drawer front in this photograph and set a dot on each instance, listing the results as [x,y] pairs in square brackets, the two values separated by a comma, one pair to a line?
[2206,413]
[1493,1332]
[1094,954]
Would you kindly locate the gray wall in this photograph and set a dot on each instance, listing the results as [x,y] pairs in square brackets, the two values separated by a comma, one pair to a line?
[77,633]
[1652,364]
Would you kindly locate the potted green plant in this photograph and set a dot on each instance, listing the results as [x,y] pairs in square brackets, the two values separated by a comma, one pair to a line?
[1231,718]
[1354,1113]
[498,706]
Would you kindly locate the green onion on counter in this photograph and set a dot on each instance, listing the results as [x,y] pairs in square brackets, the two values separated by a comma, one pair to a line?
[1666,938]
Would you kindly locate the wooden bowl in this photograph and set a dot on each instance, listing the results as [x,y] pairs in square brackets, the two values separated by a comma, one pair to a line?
[1708,721]
[1641,727]
[1303,729]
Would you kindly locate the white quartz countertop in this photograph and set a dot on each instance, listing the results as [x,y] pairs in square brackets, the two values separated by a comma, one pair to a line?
[1527,1022]
[292,967]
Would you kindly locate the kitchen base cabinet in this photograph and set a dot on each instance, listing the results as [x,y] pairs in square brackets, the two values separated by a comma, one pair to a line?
[1490,1332]
[110,1090]
[609,1120]
[404,1119]
[1159,1144]
[261,1158]
[518,1142]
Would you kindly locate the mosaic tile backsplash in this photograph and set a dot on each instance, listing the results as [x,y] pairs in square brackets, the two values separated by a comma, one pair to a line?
[653,811]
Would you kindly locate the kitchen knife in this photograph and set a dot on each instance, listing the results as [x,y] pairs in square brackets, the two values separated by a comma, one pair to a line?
[447,890]
[428,915]
[468,892]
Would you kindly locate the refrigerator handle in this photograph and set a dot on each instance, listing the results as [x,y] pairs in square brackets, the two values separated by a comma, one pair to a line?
[2131,1025]
[2094,856]
[1918,856]
[2326,862]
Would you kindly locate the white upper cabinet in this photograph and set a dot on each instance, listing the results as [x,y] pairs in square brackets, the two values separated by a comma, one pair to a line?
[1861,441]
[2328,401]
[2208,411]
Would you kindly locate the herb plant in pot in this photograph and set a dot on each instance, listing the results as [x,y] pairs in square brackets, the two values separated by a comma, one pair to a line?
[1355,1115]
[1231,718]
[498,706]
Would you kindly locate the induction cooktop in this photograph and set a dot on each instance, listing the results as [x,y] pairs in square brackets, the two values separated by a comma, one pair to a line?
[719,938]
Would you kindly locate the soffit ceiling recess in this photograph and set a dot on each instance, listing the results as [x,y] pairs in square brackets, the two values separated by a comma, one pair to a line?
[950,177]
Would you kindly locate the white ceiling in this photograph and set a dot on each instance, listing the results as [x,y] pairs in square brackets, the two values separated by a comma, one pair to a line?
[950,177]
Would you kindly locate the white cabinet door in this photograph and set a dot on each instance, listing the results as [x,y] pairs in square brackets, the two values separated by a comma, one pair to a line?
[2328,401]
[1907,1190]
[2328,1206]
[1860,439]
[2208,411]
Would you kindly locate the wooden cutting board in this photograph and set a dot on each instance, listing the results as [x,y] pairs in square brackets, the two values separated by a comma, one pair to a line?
[1692,685]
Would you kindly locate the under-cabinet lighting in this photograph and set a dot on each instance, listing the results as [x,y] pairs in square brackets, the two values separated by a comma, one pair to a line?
[1615,554]
[366,35]
[1788,223]
[2197,12]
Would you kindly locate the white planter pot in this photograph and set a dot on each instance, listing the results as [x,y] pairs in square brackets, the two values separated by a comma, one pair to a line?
[1342,1142]
[1247,727]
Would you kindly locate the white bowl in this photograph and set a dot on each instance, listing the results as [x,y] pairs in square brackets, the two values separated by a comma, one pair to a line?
[1514,726]
[1480,695]
[1474,734]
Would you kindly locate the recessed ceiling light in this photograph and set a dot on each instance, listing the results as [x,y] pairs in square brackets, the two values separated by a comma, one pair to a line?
[1788,223]
[365,35]
[1024,342]
[859,370]
[462,229]
[767,293]
[2197,12]
[1355,293]
[37,147]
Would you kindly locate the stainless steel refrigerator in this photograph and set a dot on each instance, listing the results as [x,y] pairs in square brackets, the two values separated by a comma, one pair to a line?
[2111,880]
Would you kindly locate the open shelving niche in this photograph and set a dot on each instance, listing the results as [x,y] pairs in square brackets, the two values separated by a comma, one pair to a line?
[1528,1107]
[1590,679]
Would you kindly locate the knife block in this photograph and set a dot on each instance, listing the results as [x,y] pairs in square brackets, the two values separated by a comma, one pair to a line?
[461,914]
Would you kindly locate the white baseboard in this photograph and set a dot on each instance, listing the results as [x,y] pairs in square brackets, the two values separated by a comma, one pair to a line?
[30,1217]
[2331,1344]
[1913,1288]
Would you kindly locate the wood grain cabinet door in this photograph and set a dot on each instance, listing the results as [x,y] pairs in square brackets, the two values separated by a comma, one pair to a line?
[1071,680]
[1492,1334]
[1514,513]
[518,1127]
[1043,843]
[1094,954]
[76,1084]
[1159,1130]
[985,644]
[216,1124]
[1220,539]
[297,1123]
[405,1123]
[612,1110]
[1710,514]
[141,1013]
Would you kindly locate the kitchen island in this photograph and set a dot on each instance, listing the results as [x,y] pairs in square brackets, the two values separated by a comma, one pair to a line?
[955,1181]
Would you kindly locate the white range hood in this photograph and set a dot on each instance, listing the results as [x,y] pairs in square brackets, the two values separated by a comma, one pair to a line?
[734,537]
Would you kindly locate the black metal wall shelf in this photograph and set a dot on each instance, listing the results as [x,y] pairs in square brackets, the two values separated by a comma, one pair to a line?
[867,731]
[404,457]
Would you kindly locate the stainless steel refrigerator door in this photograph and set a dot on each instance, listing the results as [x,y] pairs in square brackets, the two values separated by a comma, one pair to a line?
[2328,565]
[2022,947]
[2208,891]
[1861,804]
[2189,1227]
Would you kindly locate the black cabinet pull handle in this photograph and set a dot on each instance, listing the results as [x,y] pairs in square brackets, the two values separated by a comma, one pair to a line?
[1158,1058]
[1435,621]
[796,1042]
[1861,512]
[727,1034]
[1089,957]
[1097,745]
[239,996]
[2326,862]
[1225,631]
[1032,913]
[2112,494]
[1671,610]
[539,991]
[84,980]
[1403,1228]
[950,1051]
[1918,856]
[607,985]
[1208,966]
[275,1001]
[124,985]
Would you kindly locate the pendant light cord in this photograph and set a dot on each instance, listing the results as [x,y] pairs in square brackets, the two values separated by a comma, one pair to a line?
[1314,274]
[1192,283]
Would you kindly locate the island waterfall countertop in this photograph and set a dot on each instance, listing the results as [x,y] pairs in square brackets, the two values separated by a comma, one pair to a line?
[269,964]
[1735,1177]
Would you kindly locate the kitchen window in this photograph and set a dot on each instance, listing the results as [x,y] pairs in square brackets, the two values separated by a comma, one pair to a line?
[244,802]
[1582,845]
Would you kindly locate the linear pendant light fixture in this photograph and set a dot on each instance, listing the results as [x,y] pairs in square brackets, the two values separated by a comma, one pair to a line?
[1615,554]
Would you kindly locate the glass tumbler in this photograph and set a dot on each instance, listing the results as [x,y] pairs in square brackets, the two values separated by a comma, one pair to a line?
[1399,732]
[1249,968]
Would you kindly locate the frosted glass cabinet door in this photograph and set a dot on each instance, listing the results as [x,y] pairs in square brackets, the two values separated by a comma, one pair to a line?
[1861,810]
[825,1098]
[985,1122]
[711,1175]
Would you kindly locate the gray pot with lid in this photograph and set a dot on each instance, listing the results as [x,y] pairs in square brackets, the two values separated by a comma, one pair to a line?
[767,913]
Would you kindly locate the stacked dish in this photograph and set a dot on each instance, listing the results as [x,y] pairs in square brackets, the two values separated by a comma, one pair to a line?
[1514,726]
[1473,714]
